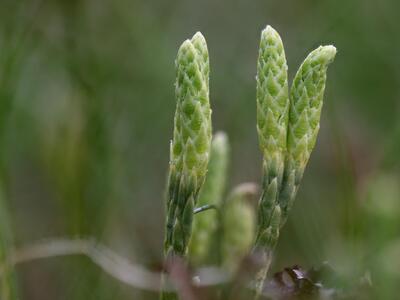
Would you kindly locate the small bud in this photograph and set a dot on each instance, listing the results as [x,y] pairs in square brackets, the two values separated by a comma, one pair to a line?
[205,224]
[239,220]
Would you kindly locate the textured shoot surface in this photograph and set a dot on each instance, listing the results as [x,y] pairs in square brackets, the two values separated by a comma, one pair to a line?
[272,119]
[190,146]
[192,131]
[205,223]
[307,94]
[287,129]
[272,94]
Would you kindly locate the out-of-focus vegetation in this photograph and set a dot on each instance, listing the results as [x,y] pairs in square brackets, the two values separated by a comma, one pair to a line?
[86,106]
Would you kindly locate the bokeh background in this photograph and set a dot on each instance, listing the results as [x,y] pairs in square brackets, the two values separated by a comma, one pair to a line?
[86,114]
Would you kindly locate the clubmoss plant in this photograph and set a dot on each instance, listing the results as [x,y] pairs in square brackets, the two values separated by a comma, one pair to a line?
[307,93]
[272,119]
[205,225]
[190,146]
[287,129]
[272,124]
[287,126]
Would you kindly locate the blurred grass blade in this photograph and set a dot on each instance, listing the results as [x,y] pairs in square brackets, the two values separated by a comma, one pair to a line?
[8,289]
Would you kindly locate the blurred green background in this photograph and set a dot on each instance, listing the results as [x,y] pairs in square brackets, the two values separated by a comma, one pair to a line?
[86,115]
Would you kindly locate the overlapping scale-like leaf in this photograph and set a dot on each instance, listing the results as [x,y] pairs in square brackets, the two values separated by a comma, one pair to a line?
[306,97]
[272,118]
[190,146]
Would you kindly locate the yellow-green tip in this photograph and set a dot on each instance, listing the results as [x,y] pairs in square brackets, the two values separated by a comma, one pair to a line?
[270,33]
[326,54]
